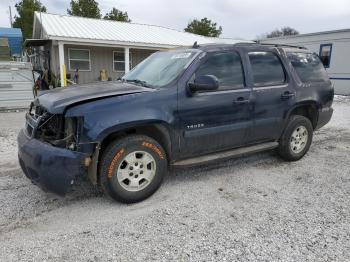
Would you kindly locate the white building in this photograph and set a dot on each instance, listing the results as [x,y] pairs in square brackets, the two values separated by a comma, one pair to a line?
[333,47]
[89,45]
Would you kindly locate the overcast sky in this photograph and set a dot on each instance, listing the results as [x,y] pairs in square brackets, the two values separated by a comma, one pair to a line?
[239,19]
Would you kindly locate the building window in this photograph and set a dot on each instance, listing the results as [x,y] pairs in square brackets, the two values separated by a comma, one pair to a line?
[79,59]
[119,61]
[325,54]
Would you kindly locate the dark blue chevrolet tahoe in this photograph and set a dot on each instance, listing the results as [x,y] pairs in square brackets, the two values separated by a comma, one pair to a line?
[179,107]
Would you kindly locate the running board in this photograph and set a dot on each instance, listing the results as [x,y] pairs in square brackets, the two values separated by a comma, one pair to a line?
[226,154]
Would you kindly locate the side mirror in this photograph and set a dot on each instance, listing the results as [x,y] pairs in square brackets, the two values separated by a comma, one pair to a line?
[204,83]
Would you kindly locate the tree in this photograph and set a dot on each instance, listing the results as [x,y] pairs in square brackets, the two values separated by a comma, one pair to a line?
[284,31]
[274,33]
[24,20]
[289,31]
[84,8]
[203,27]
[117,15]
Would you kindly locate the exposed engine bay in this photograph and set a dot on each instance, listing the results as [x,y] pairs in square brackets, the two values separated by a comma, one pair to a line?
[51,128]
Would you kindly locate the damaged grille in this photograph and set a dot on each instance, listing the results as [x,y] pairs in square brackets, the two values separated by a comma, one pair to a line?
[39,111]
[52,128]
[48,127]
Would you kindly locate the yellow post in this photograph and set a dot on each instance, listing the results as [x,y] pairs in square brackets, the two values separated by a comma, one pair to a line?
[64,75]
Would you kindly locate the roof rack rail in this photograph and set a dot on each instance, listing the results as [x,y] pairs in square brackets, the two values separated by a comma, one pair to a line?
[281,45]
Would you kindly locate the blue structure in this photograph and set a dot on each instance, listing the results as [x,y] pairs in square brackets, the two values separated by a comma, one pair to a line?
[14,36]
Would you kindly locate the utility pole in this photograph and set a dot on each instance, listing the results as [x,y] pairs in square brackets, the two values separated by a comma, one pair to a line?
[10,16]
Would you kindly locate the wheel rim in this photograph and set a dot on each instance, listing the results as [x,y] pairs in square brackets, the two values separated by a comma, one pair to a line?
[299,139]
[136,171]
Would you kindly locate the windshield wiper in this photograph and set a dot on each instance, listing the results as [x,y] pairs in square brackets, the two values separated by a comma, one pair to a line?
[138,81]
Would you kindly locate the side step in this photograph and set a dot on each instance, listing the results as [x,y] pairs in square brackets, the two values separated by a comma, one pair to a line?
[226,154]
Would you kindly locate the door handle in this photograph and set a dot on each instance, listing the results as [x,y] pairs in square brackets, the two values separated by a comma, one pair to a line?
[240,100]
[287,95]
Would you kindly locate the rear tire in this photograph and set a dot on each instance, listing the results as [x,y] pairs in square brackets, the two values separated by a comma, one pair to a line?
[132,168]
[296,138]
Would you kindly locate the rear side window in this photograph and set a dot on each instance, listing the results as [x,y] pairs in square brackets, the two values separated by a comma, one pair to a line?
[309,67]
[227,67]
[267,69]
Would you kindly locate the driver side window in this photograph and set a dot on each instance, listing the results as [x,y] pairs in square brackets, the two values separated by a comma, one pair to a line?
[227,67]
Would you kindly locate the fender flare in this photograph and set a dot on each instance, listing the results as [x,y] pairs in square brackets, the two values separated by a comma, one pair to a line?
[302,104]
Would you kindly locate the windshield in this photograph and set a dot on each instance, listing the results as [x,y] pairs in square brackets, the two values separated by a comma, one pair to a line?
[161,68]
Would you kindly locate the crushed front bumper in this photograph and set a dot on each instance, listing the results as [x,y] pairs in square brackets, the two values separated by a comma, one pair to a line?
[53,169]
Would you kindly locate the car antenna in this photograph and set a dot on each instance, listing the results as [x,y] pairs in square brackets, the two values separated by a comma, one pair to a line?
[195,45]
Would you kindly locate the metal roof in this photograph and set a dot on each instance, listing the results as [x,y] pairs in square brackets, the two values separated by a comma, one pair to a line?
[76,29]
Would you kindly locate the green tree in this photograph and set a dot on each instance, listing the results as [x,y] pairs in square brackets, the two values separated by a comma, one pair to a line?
[204,27]
[24,20]
[117,15]
[84,8]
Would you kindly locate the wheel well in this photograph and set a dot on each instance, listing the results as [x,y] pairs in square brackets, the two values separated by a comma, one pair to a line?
[156,131]
[309,111]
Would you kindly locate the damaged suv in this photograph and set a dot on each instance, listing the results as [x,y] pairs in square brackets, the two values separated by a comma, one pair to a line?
[179,107]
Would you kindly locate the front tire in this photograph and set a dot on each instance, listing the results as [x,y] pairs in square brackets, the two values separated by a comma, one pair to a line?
[132,168]
[296,138]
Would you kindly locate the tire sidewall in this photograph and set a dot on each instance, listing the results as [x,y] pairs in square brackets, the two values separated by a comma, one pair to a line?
[114,157]
[296,121]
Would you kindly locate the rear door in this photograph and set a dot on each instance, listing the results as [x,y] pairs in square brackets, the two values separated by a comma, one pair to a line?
[215,120]
[273,93]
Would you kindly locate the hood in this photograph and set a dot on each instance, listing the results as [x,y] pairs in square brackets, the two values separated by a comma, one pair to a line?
[55,101]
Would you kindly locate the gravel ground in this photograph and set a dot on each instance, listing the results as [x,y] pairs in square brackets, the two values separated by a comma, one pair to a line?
[256,208]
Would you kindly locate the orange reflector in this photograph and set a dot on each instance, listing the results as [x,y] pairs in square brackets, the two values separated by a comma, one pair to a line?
[87,161]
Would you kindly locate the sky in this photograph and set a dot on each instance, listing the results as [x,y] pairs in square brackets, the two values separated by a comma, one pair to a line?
[245,19]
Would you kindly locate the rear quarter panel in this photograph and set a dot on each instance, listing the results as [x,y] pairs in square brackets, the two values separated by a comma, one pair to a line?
[319,94]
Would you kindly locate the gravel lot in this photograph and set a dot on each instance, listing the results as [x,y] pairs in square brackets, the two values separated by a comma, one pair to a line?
[256,208]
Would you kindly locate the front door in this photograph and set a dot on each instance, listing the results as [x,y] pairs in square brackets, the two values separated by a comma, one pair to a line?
[215,120]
